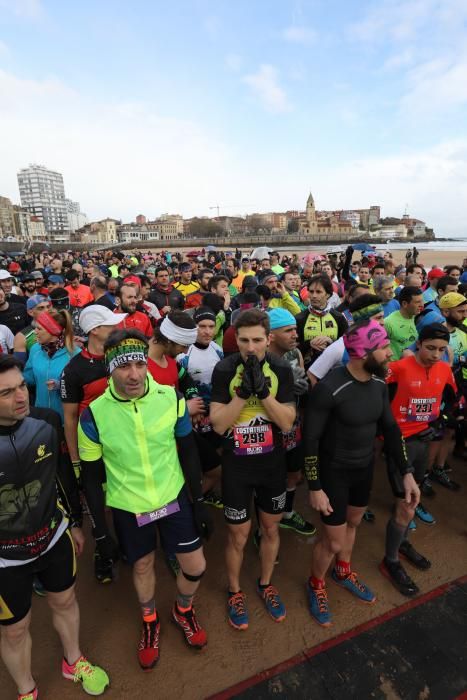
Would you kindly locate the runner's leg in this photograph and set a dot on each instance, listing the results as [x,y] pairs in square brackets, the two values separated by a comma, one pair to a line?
[354,518]
[269,546]
[16,653]
[237,537]
[144,578]
[65,616]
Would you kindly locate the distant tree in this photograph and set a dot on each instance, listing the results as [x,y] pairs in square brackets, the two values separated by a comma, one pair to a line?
[204,228]
[292,226]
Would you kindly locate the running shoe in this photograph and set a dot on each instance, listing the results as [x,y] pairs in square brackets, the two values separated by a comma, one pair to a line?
[369,516]
[38,588]
[238,614]
[103,568]
[194,634]
[422,513]
[272,601]
[354,586]
[257,543]
[148,647]
[398,576]
[298,523]
[211,498]
[412,525]
[414,557]
[427,489]
[32,695]
[441,476]
[318,605]
[93,678]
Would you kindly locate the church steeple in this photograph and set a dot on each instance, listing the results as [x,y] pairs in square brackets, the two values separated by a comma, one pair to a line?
[310,208]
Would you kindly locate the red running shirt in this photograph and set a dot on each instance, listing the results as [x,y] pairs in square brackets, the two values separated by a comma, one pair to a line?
[164,375]
[418,397]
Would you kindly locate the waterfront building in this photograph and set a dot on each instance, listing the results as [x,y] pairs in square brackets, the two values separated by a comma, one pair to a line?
[42,192]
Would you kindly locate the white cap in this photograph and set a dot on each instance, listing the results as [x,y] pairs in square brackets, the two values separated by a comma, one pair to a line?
[5,275]
[98,315]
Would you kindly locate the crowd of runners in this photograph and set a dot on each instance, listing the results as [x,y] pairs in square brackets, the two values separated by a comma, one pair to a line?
[140,391]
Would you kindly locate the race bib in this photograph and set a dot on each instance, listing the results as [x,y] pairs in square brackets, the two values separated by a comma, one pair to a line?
[153,516]
[253,440]
[293,438]
[420,410]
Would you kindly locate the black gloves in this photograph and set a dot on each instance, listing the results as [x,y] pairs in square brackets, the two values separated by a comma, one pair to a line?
[202,518]
[258,380]
[107,548]
[245,390]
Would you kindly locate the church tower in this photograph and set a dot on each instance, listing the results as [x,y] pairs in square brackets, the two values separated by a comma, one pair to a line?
[310,209]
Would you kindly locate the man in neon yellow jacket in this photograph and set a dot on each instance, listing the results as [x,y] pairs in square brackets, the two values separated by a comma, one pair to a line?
[137,437]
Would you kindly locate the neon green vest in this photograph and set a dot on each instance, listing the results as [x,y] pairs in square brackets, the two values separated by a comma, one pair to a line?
[139,448]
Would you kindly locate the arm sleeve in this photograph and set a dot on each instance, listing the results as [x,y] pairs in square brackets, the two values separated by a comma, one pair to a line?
[290,305]
[393,440]
[317,413]
[342,324]
[186,383]
[220,387]
[449,401]
[92,471]
[28,372]
[188,451]
[285,391]
[329,358]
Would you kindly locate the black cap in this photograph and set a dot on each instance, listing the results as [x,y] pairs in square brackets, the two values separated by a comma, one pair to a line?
[434,331]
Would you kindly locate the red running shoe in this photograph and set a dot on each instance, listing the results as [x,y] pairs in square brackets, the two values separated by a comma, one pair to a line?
[195,636]
[148,647]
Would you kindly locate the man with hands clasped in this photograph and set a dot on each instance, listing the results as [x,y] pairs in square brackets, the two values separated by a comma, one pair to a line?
[252,404]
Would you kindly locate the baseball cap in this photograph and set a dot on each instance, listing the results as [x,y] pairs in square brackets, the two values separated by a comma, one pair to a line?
[435,273]
[55,279]
[245,258]
[36,275]
[33,301]
[278,318]
[98,315]
[451,300]
[5,275]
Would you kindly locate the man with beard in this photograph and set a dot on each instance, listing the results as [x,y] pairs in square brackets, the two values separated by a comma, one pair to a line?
[126,300]
[344,412]
[28,286]
[195,299]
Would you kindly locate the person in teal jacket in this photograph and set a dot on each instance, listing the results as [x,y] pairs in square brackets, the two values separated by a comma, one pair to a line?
[54,349]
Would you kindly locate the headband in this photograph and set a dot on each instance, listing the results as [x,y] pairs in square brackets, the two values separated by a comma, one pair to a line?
[204,313]
[128,350]
[49,324]
[367,312]
[182,336]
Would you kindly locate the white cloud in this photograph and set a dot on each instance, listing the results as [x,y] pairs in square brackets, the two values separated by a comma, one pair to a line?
[433,181]
[266,88]
[3,48]
[116,158]
[299,34]
[436,86]
[401,59]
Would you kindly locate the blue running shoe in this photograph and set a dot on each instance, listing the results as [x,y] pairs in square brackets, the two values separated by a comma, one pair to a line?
[412,525]
[422,513]
[272,601]
[238,614]
[353,585]
[318,605]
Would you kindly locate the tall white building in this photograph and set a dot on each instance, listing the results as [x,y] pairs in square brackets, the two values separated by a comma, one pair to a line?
[42,192]
[76,218]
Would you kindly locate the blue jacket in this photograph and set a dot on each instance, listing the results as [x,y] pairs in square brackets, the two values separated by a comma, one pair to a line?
[40,368]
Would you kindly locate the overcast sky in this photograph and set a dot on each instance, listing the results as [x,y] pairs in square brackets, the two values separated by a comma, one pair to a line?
[155,106]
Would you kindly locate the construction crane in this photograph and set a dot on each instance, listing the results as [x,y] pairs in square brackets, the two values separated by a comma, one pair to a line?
[228,206]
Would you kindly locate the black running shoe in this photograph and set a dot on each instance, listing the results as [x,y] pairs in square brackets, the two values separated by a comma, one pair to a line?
[441,476]
[414,557]
[395,572]
[427,489]
[369,516]
[103,569]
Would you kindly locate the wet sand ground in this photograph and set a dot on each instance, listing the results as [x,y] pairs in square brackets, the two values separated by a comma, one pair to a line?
[110,615]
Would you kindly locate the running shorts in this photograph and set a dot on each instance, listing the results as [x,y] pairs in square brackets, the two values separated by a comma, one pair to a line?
[56,570]
[242,477]
[177,532]
[345,487]
[417,457]
[208,455]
